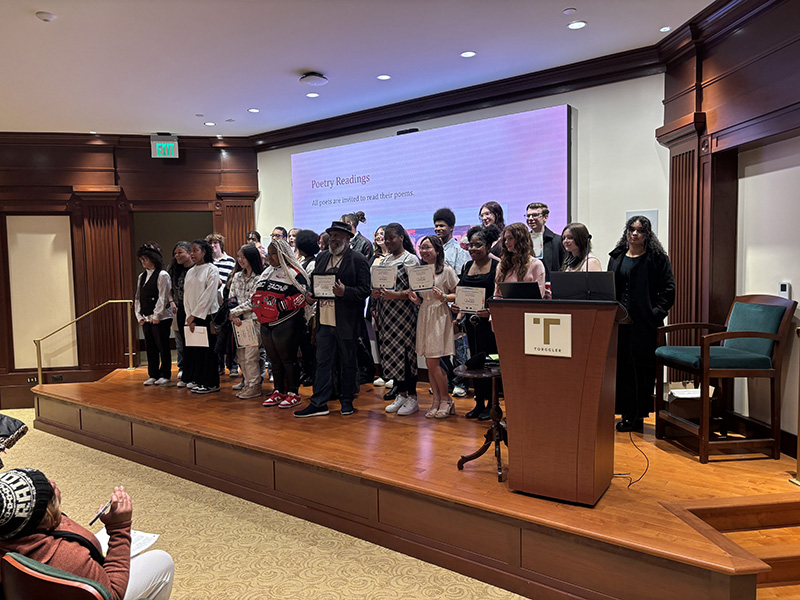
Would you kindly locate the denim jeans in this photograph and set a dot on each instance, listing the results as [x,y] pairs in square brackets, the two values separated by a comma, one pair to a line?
[328,341]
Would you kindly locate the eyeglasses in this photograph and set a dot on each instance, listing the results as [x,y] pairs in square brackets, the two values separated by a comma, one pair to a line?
[533,215]
[276,235]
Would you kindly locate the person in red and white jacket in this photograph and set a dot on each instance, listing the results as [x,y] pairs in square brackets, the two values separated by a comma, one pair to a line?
[279,304]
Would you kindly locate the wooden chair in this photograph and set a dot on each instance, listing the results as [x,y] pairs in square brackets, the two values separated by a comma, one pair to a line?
[752,343]
[24,578]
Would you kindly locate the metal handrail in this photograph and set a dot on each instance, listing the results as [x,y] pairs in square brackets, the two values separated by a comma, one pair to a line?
[39,341]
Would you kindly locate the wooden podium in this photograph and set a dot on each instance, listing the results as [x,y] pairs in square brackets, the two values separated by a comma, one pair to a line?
[560,410]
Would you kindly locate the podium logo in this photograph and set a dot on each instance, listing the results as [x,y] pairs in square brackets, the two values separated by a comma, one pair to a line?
[548,334]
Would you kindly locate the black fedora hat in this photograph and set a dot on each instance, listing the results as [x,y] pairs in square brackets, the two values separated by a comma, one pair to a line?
[339,226]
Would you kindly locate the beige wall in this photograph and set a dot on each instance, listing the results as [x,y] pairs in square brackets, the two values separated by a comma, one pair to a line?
[768,251]
[42,294]
[617,163]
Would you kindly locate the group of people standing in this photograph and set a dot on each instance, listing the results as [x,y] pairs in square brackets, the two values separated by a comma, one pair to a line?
[322,338]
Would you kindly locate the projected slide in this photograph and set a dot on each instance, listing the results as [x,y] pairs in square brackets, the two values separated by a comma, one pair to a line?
[513,160]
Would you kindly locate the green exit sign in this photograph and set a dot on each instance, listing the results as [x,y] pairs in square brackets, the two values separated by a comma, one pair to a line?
[163,146]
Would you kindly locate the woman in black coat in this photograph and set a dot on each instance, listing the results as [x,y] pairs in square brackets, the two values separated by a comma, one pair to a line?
[646,289]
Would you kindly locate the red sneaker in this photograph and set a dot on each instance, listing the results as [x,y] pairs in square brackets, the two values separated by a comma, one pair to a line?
[274,399]
[289,400]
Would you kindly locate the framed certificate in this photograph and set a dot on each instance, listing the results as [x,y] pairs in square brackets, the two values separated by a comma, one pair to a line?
[248,334]
[470,299]
[323,285]
[421,278]
[384,276]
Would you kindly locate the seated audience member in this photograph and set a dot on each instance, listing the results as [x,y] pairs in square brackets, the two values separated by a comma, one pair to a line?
[517,263]
[491,213]
[32,524]
[279,303]
[397,318]
[480,272]
[578,245]
[435,325]
[243,287]
[338,321]
[545,244]
[200,300]
[358,242]
[154,313]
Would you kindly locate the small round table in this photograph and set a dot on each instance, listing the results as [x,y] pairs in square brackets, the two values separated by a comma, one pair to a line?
[497,430]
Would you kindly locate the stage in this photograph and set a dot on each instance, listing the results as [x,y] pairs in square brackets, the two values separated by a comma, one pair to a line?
[685,530]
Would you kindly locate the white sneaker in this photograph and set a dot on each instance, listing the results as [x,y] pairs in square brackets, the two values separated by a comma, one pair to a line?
[162,381]
[389,384]
[459,391]
[238,386]
[181,384]
[180,374]
[397,404]
[410,406]
[379,382]
[191,385]
[150,381]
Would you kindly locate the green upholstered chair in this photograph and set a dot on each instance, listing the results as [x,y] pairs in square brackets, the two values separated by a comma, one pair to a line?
[24,579]
[751,344]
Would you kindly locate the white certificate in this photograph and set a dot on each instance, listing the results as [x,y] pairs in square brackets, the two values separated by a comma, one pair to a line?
[421,278]
[323,286]
[470,299]
[384,276]
[247,334]
[199,338]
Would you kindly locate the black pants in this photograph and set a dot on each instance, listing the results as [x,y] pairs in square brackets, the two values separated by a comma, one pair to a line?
[200,362]
[281,343]
[156,343]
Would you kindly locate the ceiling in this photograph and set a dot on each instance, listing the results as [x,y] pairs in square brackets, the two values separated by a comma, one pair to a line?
[142,66]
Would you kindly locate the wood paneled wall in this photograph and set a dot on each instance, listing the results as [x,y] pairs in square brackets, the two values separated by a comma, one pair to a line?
[732,82]
[99,181]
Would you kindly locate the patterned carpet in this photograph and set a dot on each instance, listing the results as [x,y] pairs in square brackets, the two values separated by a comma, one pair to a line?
[226,548]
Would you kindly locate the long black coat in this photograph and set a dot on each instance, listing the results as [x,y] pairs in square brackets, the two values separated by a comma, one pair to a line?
[552,251]
[354,274]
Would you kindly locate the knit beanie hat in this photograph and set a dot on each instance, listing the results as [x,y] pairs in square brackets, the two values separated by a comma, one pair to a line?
[24,495]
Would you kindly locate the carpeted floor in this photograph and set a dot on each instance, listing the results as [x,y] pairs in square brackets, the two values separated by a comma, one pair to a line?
[226,548]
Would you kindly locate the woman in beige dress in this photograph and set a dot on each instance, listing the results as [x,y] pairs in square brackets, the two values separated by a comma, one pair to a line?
[434,324]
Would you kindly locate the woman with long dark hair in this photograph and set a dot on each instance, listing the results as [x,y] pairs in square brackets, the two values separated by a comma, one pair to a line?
[517,262]
[181,263]
[279,303]
[434,325]
[577,244]
[154,313]
[243,286]
[397,323]
[480,272]
[306,247]
[200,300]
[491,213]
[645,287]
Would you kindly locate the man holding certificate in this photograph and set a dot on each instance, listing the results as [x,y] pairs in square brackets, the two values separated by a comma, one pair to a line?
[341,284]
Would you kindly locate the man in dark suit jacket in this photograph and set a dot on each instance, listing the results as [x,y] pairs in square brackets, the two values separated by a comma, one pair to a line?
[546,244]
[338,320]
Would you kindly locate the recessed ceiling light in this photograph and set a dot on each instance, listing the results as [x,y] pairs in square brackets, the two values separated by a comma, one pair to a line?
[665,29]
[570,11]
[209,124]
[253,110]
[312,95]
[93,132]
[577,25]
[384,77]
[468,54]
[45,16]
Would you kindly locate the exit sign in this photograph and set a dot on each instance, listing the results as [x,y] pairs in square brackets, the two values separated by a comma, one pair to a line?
[163,146]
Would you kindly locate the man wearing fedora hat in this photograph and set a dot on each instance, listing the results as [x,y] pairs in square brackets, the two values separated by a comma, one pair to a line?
[338,320]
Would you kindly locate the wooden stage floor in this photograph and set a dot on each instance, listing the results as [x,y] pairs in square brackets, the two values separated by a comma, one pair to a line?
[393,480]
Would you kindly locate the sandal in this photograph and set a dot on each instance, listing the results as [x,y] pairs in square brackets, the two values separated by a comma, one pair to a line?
[446,409]
[431,414]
